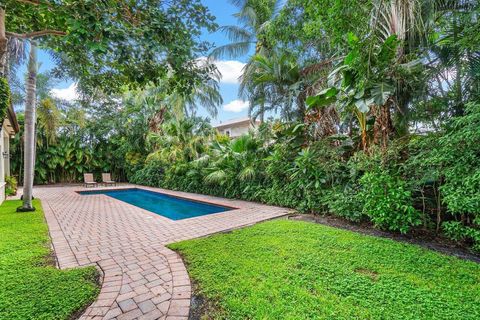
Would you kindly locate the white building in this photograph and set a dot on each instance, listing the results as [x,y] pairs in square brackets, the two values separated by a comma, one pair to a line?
[9,129]
[237,127]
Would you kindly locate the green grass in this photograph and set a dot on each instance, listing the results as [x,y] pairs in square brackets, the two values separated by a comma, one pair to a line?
[30,287]
[297,270]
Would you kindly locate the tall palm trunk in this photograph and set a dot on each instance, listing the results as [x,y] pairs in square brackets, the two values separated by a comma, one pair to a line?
[458,108]
[29,162]
[3,43]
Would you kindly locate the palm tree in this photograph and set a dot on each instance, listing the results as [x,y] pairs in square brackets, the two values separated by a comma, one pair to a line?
[29,163]
[254,16]
[48,120]
[180,140]
[411,21]
[277,82]
[205,92]
[156,103]
[455,56]
[235,160]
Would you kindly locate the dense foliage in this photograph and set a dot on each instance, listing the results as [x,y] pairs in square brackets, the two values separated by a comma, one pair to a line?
[376,107]
[5,99]
[107,44]
[296,270]
[373,106]
[396,188]
[10,186]
[69,144]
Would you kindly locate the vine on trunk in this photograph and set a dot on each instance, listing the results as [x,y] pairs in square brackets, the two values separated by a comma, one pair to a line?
[4,99]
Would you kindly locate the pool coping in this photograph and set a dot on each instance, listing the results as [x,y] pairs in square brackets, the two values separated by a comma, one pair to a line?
[162,193]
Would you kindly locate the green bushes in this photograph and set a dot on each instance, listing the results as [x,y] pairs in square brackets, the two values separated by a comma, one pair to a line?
[457,231]
[388,202]
[458,156]
[150,175]
[457,163]
[345,202]
[432,181]
[5,98]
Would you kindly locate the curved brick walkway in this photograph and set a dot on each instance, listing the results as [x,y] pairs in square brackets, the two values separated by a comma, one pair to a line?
[142,279]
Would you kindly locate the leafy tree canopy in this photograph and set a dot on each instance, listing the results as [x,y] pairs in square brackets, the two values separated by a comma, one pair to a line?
[106,44]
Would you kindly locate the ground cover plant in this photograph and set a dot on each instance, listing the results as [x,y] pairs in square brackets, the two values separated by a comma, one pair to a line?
[298,270]
[30,285]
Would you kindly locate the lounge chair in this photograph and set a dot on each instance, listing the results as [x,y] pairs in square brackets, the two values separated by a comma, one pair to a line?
[88,180]
[107,180]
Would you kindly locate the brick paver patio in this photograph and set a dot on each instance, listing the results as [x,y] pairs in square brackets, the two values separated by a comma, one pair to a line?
[142,279]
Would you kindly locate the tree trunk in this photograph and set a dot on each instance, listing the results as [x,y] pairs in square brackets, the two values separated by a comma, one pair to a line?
[29,163]
[383,127]
[458,107]
[402,116]
[302,111]
[3,43]
[262,112]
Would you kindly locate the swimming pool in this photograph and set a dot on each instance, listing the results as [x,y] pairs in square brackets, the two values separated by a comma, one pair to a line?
[165,205]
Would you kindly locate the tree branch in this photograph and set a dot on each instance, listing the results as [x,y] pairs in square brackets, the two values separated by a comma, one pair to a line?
[34,2]
[36,34]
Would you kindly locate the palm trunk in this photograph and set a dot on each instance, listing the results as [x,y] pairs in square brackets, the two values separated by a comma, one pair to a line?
[262,112]
[29,163]
[402,116]
[458,108]
[301,106]
[3,43]
[383,127]
[258,48]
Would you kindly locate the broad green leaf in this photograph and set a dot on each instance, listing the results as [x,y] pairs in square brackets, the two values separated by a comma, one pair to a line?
[381,92]
[324,98]
[361,105]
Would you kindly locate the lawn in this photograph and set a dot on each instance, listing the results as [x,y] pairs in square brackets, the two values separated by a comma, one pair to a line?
[297,270]
[30,286]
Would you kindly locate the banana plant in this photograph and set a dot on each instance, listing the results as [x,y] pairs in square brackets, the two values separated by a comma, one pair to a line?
[358,85]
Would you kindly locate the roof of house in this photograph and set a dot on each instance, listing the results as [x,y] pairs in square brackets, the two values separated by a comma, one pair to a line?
[233,122]
[13,119]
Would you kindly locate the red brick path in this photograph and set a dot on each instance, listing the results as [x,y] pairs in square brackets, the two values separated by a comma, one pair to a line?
[142,279]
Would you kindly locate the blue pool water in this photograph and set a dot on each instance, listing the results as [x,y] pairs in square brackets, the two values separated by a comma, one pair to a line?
[168,206]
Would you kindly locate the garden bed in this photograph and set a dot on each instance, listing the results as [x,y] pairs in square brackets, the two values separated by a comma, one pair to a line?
[425,238]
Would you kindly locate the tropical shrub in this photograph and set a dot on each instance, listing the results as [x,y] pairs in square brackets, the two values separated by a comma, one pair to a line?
[457,161]
[459,157]
[150,175]
[388,202]
[344,201]
[11,186]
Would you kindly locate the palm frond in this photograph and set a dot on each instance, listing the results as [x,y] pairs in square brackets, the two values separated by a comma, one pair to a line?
[248,16]
[237,34]
[201,161]
[448,5]
[247,173]
[402,18]
[232,50]
[17,54]
[218,176]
